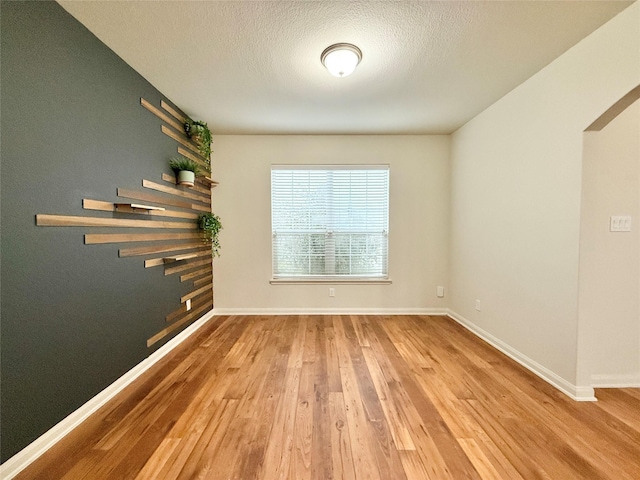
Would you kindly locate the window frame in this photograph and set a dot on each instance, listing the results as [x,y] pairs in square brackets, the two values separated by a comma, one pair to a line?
[329,278]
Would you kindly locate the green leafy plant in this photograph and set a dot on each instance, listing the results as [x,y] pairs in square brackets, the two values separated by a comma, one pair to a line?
[181,164]
[199,131]
[210,225]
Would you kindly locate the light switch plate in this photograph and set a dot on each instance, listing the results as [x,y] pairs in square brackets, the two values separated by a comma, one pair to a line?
[620,223]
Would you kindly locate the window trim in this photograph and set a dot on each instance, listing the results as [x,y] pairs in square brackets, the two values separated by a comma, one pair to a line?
[330,281]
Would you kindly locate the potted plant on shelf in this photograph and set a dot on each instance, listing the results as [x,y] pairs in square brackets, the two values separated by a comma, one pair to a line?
[185,170]
[199,131]
[210,226]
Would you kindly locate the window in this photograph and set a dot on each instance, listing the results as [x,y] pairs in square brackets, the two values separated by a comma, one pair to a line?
[329,222]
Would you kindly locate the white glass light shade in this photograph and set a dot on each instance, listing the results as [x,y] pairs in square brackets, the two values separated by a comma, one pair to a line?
[341,59]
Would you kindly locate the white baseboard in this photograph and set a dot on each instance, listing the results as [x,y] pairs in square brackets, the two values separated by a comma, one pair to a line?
[615,381]
[329,311]
[35,449]
[578,393]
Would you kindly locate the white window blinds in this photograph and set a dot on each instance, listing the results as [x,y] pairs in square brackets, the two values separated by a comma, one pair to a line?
[329,221]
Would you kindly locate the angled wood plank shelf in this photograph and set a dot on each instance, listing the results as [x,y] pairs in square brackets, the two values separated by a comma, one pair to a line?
[177,258]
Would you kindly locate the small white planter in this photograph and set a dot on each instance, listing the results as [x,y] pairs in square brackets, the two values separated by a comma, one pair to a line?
[185,177]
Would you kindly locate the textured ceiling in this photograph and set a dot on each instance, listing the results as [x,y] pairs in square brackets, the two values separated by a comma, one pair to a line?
[254,67]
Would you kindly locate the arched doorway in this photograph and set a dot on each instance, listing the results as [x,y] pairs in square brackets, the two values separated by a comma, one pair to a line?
[609,278]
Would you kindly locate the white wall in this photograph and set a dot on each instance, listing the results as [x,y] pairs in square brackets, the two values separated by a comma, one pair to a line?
[609,300]
[418,229]
[516,181]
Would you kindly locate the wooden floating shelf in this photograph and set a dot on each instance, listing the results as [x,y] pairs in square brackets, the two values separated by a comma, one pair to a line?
[177,258]
[177,192]
[135,206]
[208,180]
[95,238]
[148,197]
[186,266]
[174,113]
[76,221]
[199,159]
[161,115]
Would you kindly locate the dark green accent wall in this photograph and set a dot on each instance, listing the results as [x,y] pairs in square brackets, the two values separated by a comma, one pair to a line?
[74,317]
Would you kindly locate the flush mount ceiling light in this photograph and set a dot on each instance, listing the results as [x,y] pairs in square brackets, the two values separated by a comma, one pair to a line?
[341,59]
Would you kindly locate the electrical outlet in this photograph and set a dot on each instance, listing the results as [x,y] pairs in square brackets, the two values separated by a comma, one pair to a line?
[478,305]
[188,305]
[440,291]
[332,292]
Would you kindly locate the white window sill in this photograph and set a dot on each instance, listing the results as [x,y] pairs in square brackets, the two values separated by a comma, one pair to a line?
[325,281]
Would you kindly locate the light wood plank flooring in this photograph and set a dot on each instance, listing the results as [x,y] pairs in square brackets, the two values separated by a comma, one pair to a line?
[347,397]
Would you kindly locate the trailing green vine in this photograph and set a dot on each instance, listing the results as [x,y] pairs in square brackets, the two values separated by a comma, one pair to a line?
[210,225]
[199,131]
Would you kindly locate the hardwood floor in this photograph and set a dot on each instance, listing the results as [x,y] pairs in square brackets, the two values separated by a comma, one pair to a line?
[347,397]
